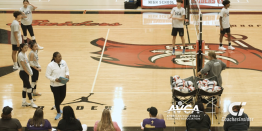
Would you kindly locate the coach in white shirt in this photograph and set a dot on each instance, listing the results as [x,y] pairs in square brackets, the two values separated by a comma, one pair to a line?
[55,69]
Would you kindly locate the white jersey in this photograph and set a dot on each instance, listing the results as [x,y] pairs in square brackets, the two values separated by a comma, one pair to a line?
[178,13]
[28,12]
[225,18]
[15,27]
[22,57]
[35,61]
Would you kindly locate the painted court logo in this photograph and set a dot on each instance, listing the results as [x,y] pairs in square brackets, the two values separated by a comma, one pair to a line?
[69,23]
[160,56]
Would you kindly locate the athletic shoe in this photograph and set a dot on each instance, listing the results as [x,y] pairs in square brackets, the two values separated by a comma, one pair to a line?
[40,47]
[222,48]
[58,115]
[33,105]
[231,47]
[25,104]
[15,67]
[173,52]
[183,52]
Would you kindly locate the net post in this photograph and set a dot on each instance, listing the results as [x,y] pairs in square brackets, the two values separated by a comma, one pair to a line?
[187,9]
[200,47]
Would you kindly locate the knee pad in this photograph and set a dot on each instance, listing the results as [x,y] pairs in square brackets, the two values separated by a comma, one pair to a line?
[24,89]
[33,84]
[36,82]
[29,90]
[25,37]
[33,37]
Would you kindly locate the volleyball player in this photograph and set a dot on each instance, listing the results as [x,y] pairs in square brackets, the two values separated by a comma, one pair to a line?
[35,66]
[178,16]
[224,25]
[55,69]
[26,22]
[16,38]
[25,72]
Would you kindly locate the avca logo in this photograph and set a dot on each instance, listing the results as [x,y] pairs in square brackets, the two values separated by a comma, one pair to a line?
[160,56]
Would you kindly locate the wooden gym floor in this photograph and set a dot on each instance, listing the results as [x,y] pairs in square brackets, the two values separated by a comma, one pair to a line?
[126,80]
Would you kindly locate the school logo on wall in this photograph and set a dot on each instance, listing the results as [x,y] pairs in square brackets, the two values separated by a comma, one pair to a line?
[160,56]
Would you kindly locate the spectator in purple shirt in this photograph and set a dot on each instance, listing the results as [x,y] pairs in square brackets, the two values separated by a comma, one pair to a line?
[38,122]
[155,121]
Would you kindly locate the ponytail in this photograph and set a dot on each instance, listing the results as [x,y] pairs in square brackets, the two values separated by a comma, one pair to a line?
[54,55]
[19,50]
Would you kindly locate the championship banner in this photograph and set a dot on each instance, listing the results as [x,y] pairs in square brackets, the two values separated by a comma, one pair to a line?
[169,4]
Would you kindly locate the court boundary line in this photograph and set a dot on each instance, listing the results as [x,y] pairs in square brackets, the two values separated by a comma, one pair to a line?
[101,57]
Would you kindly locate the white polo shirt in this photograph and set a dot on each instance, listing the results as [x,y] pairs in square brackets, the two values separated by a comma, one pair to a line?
[53,71]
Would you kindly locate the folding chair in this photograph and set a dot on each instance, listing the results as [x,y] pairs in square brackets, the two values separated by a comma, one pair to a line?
[211,98]
[185,98]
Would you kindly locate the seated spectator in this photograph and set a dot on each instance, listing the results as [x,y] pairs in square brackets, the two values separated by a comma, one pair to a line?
[106,123]
[7,122]
[38,122]
[69,121]
[236,122]
[155,121]
[198,119]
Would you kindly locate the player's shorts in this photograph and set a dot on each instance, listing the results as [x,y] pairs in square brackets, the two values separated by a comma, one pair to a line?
[179,30]
[226,30]
[15,48]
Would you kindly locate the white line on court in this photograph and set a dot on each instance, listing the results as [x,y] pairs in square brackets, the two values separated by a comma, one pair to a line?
[100,61]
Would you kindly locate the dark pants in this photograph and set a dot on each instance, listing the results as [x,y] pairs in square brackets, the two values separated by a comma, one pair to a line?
[29,28]
[26,84]
[35,75]
[59,95]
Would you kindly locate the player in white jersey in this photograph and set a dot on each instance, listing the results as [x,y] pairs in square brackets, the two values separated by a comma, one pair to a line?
[178,17]
[35,66]
[25,72]
[225,25]
[26,22]
[16,38]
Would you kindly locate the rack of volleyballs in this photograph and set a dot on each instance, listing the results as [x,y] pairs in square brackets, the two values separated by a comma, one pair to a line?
[188,86]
